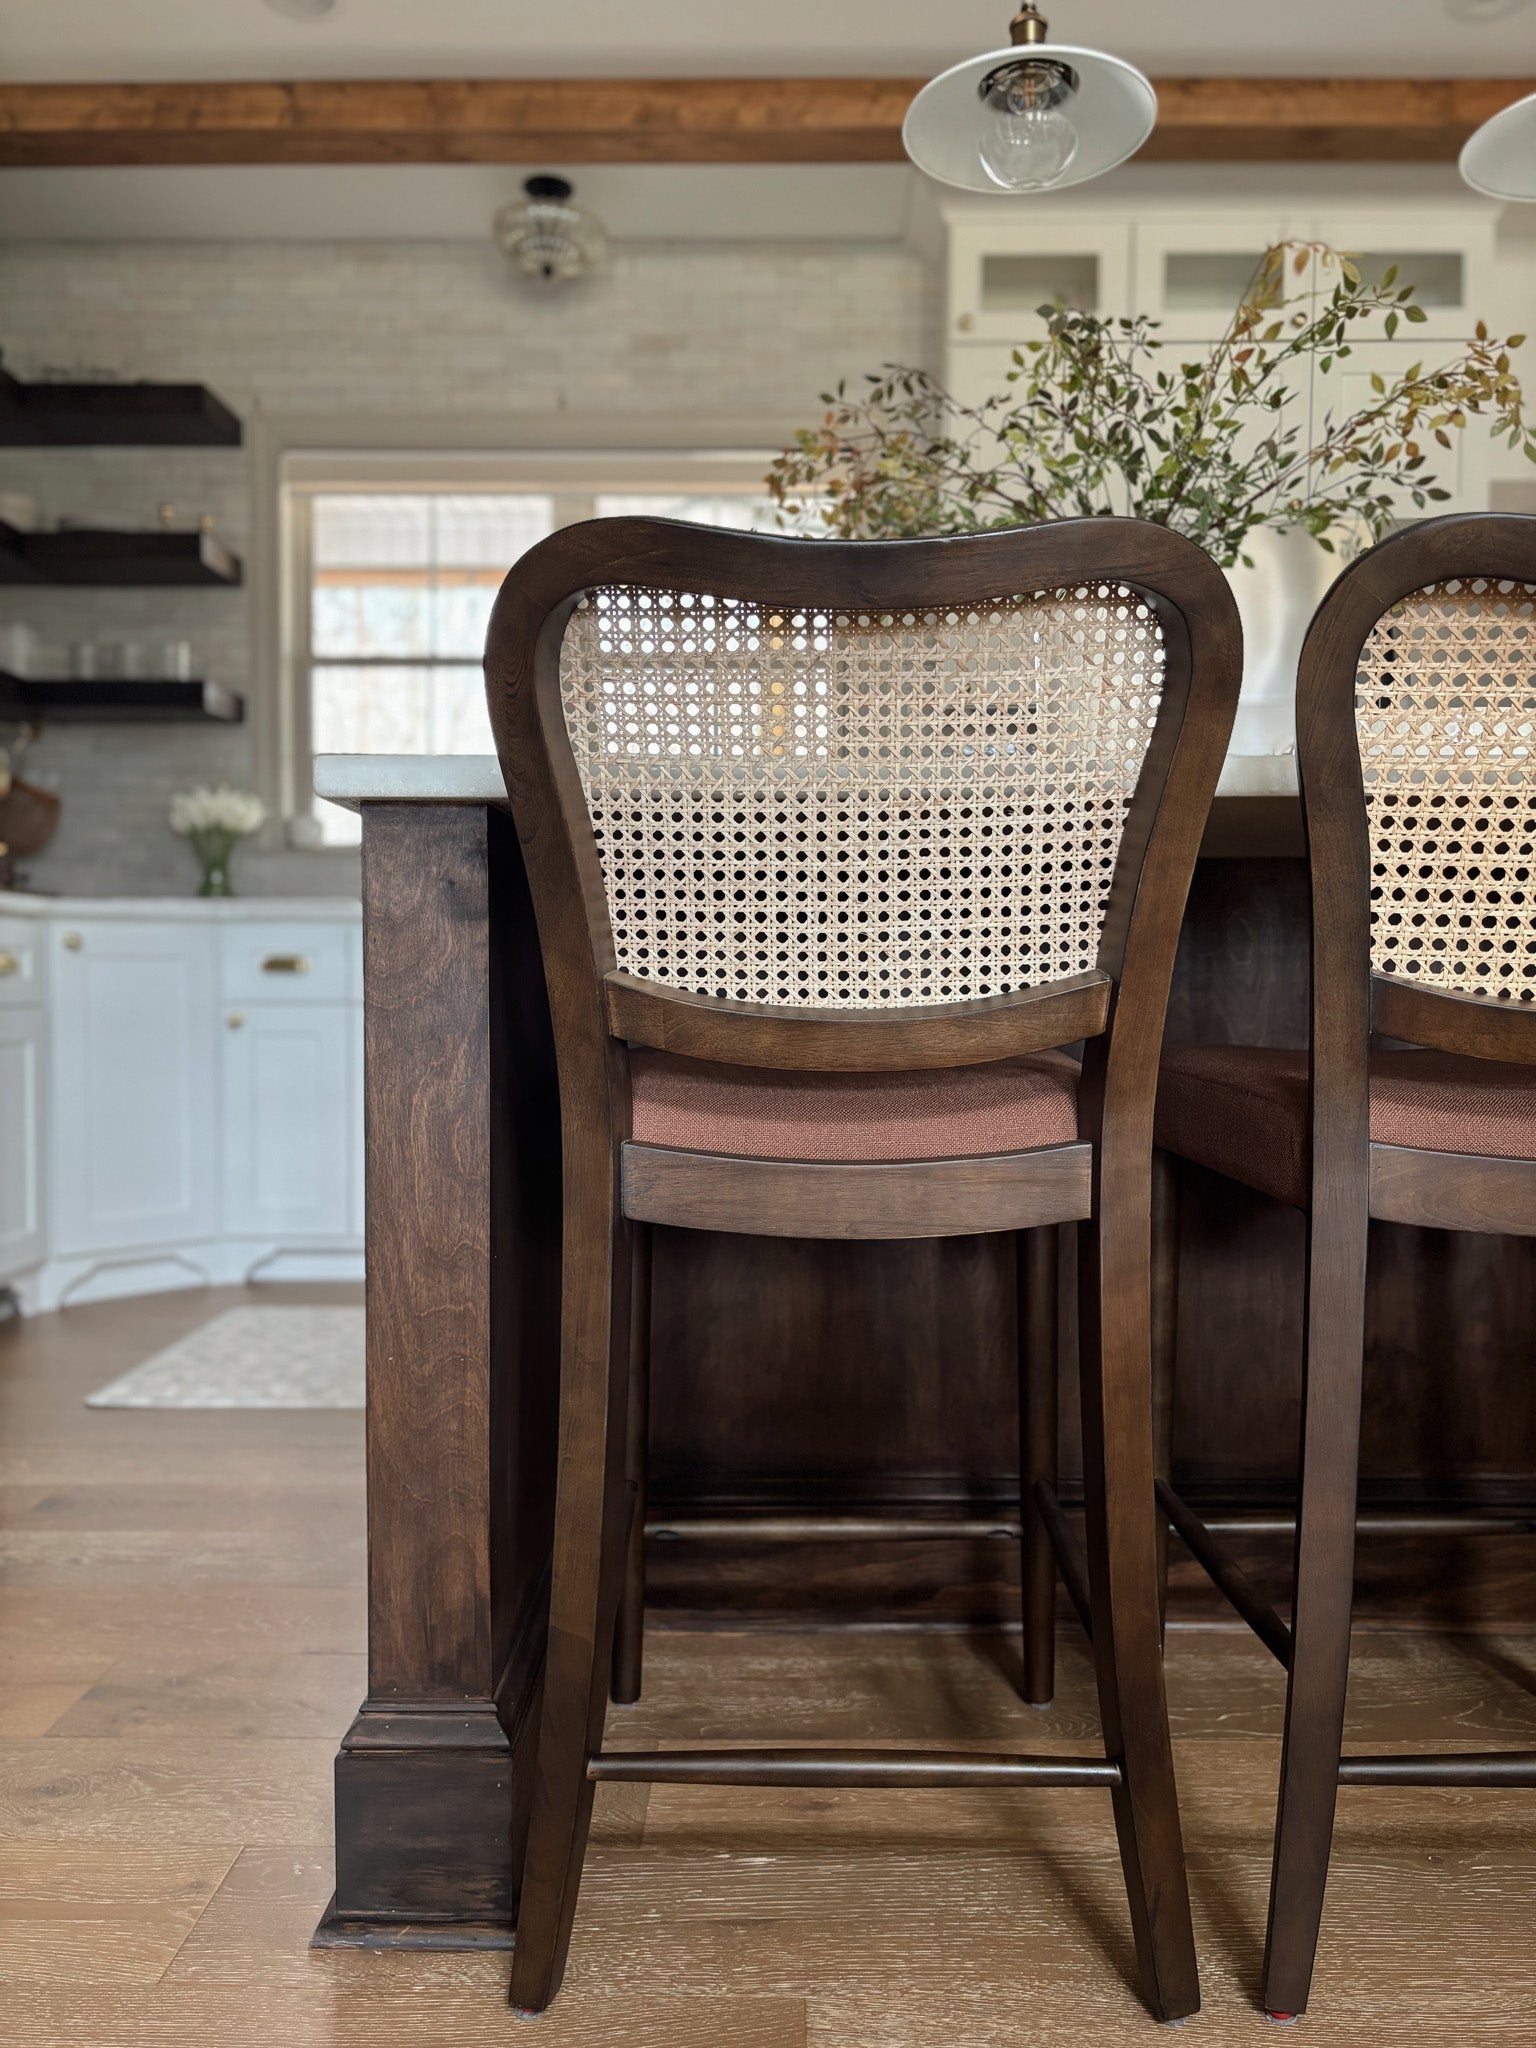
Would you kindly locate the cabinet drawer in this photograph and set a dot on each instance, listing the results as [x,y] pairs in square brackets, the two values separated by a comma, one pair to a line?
[299,963]
[21,961]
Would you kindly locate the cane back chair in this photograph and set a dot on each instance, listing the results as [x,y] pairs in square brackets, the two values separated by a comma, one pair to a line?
[1416,723]
[832,848]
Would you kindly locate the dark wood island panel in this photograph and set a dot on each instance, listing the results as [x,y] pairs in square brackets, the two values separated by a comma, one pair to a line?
[881,1376]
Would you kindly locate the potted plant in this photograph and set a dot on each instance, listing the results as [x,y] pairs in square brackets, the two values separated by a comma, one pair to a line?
[1101,416]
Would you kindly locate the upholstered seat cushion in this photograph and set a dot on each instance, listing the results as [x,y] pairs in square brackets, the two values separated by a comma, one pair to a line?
[942,1113]
[1243,1110]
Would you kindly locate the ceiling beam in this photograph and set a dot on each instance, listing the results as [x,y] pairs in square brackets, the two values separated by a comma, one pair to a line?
[695,121]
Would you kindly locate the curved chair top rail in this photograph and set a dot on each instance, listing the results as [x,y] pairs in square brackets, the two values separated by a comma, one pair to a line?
[1179,586]
[1416,739]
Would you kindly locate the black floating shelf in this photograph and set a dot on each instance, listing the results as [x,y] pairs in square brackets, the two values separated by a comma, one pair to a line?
[112,702]
[102,557]
[113,416]
[14,566]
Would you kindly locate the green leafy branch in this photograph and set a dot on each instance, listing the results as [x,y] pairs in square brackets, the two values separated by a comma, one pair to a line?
[1096,420]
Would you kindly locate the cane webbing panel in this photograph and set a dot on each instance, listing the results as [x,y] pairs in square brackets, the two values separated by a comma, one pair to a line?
[1445,711]
[859,809]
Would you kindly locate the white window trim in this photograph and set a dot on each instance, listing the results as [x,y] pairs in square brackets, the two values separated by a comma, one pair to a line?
[292,457]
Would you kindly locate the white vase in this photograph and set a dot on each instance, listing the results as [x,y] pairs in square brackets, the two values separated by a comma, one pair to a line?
[1275,599]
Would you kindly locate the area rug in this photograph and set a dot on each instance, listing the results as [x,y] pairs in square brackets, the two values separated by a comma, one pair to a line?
[252,1358]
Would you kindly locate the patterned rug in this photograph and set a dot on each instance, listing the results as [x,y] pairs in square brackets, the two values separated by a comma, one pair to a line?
[252,1358]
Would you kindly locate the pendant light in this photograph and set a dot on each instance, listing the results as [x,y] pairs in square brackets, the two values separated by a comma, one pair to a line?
[1035,117]
[1500,159]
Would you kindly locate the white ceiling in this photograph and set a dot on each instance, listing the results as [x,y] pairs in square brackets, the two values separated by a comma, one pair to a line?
[193,39]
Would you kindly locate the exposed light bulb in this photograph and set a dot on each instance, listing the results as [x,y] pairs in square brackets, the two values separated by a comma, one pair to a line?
[1027,142]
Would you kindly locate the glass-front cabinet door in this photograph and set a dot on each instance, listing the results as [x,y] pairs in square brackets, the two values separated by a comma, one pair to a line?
[1191,271]
[1005,265]
[1445,255]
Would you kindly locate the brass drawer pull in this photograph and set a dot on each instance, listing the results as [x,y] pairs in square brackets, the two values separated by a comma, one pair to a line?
[73,942]
[9,964]
[285,963]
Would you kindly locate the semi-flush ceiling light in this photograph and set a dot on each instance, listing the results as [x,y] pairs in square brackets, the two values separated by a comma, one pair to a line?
[1032,118]
[546,234]
[1500,159]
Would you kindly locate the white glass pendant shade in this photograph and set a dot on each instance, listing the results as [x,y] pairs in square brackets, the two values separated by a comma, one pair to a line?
[1004,137]
[1500,159]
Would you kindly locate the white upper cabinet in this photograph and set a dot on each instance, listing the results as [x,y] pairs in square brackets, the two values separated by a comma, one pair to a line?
[1187,269]
[1004,265]
[1190,271]
[135,1098]
[1445,253]
[1462,469]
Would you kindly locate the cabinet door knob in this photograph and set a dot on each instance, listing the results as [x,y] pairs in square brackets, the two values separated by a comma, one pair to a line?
[73,942]
[966,322]
[234,1020]
[9,964]
[285,963]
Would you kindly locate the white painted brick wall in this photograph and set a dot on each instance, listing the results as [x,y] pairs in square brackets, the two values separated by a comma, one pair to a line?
[415,328]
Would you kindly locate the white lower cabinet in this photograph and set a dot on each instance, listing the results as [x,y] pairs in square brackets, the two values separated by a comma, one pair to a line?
[135,1096]
[287,1120]
[180,1099]
[23,1241]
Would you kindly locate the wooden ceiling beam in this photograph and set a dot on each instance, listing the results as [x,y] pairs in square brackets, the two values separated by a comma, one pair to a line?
[694,121]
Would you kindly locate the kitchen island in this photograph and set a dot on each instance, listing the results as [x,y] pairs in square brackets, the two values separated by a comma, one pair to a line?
[815,1377]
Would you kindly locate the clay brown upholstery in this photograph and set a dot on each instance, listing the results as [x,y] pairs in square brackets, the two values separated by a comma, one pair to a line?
[1242,1110]
[942,1113]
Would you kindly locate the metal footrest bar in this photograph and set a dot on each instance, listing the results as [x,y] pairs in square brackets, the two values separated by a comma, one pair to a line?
[1070,1560]
[826,1528]
[1487,1768]
[846,1767]
[1229,1579]
[1384,1522]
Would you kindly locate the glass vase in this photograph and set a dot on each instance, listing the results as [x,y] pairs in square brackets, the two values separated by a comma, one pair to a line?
[213,850]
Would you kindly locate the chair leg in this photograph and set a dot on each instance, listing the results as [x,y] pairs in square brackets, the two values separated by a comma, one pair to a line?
[1114,1324]
[1166,1192]
[583,1587]
[1320,1617]
[629,1635]
[1038,1432]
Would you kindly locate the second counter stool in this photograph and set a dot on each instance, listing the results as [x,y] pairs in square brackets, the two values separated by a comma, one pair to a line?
[832,848]
[1416,719]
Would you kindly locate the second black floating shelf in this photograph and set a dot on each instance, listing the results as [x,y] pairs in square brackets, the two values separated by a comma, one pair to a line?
[102,557]
[111,701]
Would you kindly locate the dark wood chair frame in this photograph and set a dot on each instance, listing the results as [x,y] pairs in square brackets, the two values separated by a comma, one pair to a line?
[1350,1181]
[614,1190]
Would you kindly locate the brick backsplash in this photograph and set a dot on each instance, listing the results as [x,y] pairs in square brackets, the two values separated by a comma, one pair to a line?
[671,330]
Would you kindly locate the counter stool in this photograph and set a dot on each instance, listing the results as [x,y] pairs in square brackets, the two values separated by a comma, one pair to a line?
[832,848]
[1416,710]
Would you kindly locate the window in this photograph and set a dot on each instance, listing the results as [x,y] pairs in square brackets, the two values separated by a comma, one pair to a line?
[392,582]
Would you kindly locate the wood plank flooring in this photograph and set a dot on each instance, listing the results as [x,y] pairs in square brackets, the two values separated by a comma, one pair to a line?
[181,1621]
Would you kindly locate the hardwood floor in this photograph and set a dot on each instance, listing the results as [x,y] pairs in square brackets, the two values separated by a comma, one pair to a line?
[181,1620]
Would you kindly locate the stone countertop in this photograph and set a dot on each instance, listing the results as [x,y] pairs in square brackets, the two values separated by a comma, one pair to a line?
[187,909]
[354,779]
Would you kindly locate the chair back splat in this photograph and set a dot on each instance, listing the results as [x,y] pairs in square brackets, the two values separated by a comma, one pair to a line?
[758,774]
